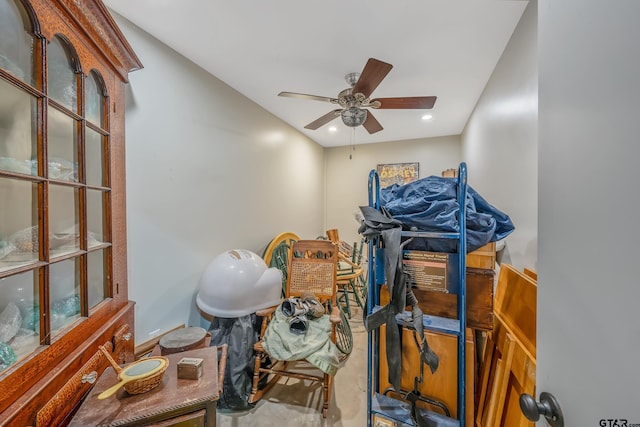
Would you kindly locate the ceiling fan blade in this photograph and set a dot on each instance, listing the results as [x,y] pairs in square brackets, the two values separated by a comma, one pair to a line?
[372,74]
[323,120]
[305,96]
[371,124]
[412,102]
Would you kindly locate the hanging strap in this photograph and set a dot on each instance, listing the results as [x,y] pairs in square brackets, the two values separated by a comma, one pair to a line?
[377,223]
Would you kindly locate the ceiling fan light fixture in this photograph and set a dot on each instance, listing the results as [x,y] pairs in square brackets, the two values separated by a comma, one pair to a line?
[352,79]
[353,116]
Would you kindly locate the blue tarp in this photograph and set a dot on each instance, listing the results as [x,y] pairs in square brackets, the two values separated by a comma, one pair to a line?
[430,204]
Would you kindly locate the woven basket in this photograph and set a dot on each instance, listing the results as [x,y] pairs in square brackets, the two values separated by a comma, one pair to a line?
[141,385]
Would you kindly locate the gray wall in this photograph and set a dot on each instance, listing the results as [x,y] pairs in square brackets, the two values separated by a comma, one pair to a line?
[207,171]
[588,330]
[347,178]
[500,141]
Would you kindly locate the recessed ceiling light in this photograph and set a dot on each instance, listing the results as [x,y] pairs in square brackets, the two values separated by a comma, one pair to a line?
[427,117]
[333,129]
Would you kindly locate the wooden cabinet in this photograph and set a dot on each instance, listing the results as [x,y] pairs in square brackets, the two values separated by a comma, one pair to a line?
[63,258]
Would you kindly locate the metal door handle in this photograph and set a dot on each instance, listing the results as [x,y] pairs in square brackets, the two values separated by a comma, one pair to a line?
[548,407]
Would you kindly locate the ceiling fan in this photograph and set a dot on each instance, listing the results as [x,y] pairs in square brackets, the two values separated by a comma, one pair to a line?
[356,98]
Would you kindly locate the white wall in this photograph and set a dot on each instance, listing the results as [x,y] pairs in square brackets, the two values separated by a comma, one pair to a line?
[207,171]
[347,178]
[500,141]
[588,330]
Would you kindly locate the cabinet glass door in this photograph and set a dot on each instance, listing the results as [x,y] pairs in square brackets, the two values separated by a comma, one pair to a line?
[55,242]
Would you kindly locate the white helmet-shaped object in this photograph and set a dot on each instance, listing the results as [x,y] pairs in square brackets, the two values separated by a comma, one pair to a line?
[236,283]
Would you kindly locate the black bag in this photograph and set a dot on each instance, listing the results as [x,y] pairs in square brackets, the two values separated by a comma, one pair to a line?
[239,334]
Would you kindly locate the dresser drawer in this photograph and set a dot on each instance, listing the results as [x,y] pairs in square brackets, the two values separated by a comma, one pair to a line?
[194,419]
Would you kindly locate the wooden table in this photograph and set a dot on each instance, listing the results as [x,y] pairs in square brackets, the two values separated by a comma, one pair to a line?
[174,401]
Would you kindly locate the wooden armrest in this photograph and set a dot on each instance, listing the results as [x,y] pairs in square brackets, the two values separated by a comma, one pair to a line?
[334,317]
[345,277]
[347,259]
[266,311]
[222,364]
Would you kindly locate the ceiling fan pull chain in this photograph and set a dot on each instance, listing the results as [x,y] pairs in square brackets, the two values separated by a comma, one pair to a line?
[352,146]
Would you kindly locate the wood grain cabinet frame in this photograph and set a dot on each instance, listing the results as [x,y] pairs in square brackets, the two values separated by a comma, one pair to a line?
[44,385]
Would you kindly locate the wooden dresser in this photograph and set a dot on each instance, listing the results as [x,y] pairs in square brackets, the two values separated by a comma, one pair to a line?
[64,65]
[174,402]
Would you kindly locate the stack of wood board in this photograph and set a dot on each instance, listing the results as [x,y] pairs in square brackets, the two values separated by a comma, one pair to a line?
[508,368]
[483,257]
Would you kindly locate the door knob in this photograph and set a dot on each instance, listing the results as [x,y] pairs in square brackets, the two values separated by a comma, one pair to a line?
[548,407]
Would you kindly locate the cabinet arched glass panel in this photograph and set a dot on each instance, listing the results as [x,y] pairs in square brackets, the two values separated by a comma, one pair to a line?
[16,41]
[62,74]
[95,95]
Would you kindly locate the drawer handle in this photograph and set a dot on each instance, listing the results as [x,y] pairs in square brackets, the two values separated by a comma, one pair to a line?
[126,337]
[90,378]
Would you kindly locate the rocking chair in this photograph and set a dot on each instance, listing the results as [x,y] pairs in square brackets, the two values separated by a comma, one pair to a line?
[312,266]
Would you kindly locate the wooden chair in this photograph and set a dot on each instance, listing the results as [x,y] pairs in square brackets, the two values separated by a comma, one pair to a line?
[350,274]
[312,268]
[277,252]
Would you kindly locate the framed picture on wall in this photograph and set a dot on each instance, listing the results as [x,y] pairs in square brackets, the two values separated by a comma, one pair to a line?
[397,173]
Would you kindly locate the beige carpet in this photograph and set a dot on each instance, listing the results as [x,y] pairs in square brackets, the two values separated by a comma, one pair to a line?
[293,402]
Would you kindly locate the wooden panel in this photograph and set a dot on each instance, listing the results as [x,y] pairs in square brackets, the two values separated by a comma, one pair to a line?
[441,385]
[500,383]
[516,304]
[506,372]
[508,368]
[479,300]
[483,257]
[512,415]
[531,273]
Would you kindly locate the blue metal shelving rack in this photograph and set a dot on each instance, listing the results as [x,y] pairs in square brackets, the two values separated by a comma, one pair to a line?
[378,404]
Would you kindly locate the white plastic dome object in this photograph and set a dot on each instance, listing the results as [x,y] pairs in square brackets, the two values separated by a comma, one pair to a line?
[236,283]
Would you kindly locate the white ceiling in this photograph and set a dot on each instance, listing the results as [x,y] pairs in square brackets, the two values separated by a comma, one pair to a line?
[446,48]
